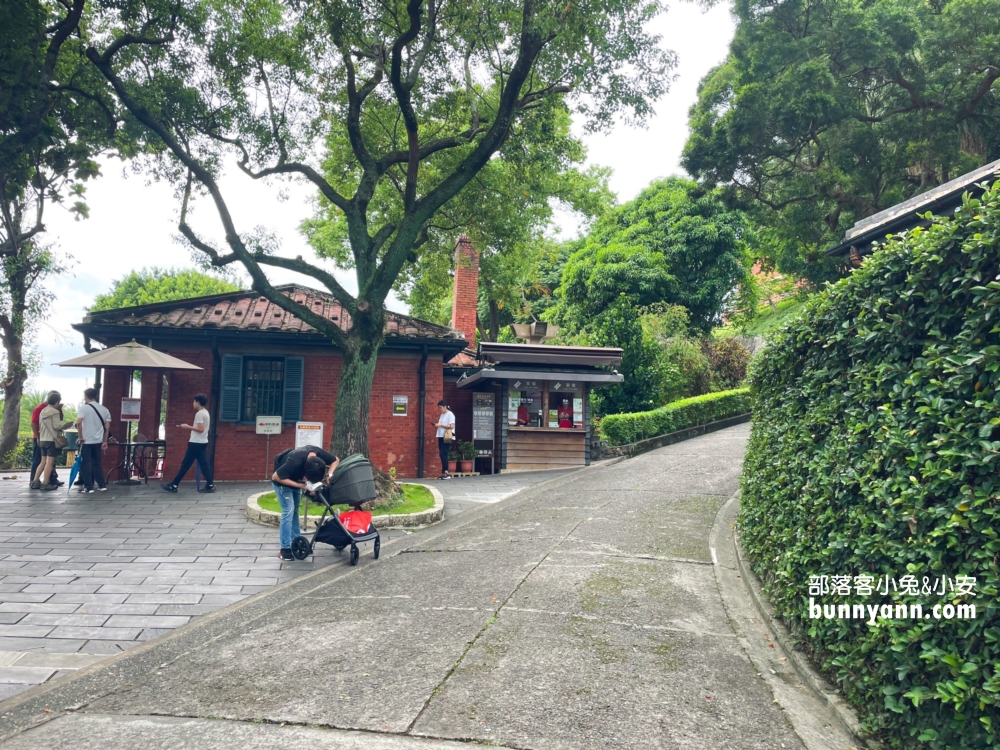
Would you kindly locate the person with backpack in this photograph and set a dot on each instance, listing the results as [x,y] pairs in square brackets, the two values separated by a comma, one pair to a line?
[292,469]
[93,422]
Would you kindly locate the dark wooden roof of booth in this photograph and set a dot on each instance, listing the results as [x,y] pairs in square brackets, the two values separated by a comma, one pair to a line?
[248,311]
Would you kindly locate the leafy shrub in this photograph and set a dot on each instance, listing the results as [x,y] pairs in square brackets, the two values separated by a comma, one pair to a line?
[619,326]
[684,370]
[728,360]
[621,429]
[875,450]
[22,453]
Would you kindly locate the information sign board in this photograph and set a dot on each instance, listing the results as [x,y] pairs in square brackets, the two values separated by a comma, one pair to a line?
[269,425]
[308,433]
[130,409]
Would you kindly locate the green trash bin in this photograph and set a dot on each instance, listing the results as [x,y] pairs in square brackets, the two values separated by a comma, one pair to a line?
[71,439]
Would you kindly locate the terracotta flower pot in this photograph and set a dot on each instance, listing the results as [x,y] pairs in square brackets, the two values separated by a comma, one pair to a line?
[452,467]
[466,466]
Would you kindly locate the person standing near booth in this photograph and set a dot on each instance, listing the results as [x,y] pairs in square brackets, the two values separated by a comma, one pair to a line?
[94,425]
[197,449]
[445,435]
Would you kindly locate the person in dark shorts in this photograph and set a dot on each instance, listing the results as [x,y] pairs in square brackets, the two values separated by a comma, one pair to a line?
[36,456]
[292,468]
[50,434]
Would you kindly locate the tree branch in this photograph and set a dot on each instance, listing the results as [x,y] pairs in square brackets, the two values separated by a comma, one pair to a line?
[402,92]
[299,265]
[992,74]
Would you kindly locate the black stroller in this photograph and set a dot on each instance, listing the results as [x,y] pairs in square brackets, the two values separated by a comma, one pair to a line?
[351,484]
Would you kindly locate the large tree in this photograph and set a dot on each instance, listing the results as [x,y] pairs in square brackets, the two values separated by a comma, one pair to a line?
[675,243]
[160,285]
[53,122]
[417,94]
[506,211]
[828,111]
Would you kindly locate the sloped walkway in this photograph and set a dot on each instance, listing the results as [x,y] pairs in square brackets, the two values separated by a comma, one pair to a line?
[581,613]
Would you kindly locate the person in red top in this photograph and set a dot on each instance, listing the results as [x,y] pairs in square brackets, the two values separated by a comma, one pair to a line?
[36,456]
[565,414]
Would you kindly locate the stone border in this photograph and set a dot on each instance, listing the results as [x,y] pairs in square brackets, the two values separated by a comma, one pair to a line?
[389,521]
[742,596]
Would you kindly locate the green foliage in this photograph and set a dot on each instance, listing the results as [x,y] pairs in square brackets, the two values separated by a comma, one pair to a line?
[830,111]
[464,450]
[728,360]
[676,243]
[619,326]
[875,450]
[160,285]
[622,429]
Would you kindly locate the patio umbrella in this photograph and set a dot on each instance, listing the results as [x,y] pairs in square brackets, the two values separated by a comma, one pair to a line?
[132,356]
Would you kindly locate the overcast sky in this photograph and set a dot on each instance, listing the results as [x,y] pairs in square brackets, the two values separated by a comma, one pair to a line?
[133,222]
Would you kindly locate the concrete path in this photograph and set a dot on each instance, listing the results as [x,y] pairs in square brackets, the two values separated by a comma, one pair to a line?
[84,576]
[581,613]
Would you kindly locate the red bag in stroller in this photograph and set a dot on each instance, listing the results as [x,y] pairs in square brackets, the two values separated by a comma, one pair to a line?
[356,521]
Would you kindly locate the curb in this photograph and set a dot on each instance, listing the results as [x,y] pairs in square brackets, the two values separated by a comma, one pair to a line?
[388,521]
[822,689]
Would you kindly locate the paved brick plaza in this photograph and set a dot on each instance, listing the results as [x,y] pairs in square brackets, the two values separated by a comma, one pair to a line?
[84,576]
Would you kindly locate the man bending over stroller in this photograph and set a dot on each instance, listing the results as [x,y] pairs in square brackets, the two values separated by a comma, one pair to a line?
[292,468]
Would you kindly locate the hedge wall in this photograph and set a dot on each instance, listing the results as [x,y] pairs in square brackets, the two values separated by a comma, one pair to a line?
[621,429]
[875,450]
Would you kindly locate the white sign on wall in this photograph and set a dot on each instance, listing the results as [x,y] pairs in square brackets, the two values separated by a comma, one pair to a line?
[269,425]
[308,433]
[130,409]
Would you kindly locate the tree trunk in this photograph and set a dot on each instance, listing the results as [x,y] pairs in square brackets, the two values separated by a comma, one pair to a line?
[494,320]
[354,392]
[13,388]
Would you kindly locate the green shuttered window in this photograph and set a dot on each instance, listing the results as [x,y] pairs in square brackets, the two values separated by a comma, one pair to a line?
[255,386]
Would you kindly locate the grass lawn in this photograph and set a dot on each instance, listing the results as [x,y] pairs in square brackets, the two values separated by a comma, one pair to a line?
[417,498]
[767,319]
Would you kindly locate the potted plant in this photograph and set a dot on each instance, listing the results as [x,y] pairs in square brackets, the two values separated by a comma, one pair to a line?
[453,456]
[467,457]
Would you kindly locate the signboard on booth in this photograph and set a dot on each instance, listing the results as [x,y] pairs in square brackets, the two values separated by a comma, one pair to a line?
[130,409]
[482,416]
[399,405]
[269,425]
[308,433]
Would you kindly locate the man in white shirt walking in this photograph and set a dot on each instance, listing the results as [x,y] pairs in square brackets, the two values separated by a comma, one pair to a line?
[93,423]
[197,449]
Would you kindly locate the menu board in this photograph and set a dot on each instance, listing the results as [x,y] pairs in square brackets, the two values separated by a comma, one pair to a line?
[483,416]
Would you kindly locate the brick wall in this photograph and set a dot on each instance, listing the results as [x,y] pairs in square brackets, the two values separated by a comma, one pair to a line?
[241,454]
[465,296]
[460,401]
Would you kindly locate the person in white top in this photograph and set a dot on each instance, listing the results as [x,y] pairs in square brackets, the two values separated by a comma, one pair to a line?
[93,421]
[445,435]
[197,447]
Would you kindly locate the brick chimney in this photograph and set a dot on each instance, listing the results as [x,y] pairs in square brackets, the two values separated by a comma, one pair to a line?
[466,293]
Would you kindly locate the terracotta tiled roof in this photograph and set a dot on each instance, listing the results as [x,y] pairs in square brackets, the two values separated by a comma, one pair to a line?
[250,312]
[465,358]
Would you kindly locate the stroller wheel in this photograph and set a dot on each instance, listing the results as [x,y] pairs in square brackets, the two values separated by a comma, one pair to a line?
[354,554]
[301,549]
[378,546]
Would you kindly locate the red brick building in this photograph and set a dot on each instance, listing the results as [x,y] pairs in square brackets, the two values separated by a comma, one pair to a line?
[259,360]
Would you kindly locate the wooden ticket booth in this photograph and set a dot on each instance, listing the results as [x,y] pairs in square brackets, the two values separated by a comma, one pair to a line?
[541,402]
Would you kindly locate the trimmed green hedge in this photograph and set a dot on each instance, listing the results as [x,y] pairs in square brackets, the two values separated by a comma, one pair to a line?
[622,429]
[875,450]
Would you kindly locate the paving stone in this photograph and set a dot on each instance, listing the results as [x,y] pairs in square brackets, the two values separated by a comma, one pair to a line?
[75,619]
[136,621]
[25,675]
[24,631]
[120,609]
[10,618]
[89,598]
[103,634]
[57,661]
[10,689]
[50,608]
[164,598]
